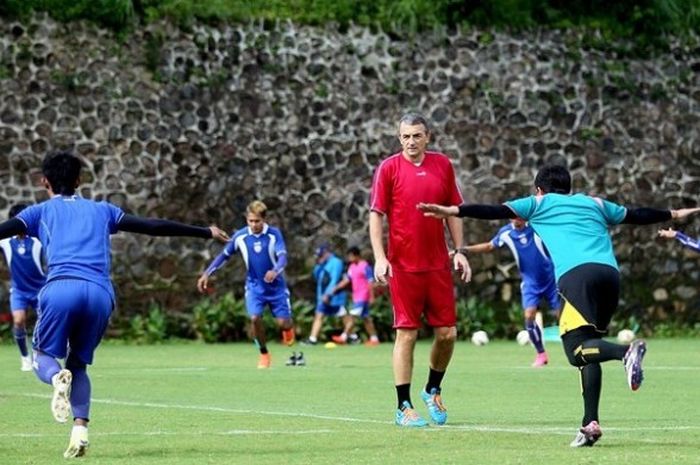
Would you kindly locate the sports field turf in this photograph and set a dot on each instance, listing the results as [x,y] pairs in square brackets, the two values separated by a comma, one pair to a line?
[201,404]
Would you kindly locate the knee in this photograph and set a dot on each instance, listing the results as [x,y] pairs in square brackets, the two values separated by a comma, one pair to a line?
[19,320]
[446,336]
[573,351]
[73,363]
[406,337]
[530,315]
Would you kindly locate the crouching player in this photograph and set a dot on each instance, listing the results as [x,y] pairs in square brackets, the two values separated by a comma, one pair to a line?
[264,253]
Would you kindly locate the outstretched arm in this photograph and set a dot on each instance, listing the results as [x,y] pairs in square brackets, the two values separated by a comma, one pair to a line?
[643,216]
[479,211]
[160,227]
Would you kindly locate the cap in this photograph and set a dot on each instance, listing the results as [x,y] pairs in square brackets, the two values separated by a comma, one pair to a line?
[321,249]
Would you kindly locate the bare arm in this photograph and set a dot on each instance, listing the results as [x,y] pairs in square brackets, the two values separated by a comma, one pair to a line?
[382,267]
[461,264]
[483,247]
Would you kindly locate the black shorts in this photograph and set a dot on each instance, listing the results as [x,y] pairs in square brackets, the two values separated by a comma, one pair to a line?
[591,293]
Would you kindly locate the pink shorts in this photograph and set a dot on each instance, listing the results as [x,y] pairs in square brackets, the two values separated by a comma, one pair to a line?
[416,293]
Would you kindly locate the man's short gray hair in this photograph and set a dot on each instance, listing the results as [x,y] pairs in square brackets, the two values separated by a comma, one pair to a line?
[413,119]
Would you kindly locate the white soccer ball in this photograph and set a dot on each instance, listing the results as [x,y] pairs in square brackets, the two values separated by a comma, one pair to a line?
[625,336]
[523,338]
[480,338]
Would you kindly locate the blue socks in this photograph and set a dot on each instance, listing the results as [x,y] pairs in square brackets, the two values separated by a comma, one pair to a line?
[535,333]
[80,388]
[20,335]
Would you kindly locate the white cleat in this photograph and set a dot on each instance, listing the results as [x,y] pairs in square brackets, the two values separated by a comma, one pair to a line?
[78,442]
[26,363]
[60,403]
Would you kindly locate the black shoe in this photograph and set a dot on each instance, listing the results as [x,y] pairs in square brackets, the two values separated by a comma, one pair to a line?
[354,339]
[301,361]
[309,342]
[292,360]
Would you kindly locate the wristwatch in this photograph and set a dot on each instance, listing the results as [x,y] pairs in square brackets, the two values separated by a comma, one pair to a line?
[461,250]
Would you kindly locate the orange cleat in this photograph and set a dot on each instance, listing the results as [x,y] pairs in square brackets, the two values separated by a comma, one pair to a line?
[264,361]
[372,342]
[338,339]
[288,337]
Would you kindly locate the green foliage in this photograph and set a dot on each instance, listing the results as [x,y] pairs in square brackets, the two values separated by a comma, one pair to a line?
[147,329]
[220,320]
[113,14]
[645,23]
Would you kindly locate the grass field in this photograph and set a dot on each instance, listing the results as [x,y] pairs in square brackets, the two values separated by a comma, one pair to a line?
[193,403]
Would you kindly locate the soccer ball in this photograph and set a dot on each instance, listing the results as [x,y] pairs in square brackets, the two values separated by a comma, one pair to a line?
[625,336]
[523,338]
[480,338]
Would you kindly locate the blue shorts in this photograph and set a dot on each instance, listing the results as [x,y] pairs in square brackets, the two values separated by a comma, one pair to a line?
[72,312]
[360,309]
[279,303]
[531,296]
[331,310]
[23,300]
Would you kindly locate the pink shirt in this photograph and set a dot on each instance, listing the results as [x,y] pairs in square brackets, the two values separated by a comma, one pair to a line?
[416,242]
[360,276]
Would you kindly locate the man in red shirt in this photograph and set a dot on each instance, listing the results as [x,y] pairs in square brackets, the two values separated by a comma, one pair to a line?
[416,264]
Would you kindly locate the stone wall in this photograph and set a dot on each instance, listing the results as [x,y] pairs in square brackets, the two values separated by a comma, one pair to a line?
[192,125]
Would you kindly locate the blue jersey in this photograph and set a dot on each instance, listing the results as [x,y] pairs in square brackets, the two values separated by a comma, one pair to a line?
[574,227]
[530,255]
[260,252]
[75,234]
[327,275]
[23,257]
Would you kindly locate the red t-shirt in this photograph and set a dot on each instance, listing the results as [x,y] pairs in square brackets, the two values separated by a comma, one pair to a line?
[416,242]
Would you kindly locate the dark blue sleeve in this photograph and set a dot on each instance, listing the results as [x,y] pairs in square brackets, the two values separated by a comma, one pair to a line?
[688,242]
[159,227]
[12,227]
[216,263]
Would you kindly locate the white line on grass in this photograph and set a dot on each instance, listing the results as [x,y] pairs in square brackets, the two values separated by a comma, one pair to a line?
[569,367]
[235,432]
[457,427]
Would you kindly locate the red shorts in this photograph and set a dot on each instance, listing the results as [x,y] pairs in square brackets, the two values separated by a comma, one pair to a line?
[428,292]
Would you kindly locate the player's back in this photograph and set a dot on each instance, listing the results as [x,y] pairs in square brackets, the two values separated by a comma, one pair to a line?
[573,227]
[75,234]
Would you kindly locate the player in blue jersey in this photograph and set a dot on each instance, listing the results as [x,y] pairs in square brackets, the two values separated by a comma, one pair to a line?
[23,255]
[327,272]
[264,253]
[537,274]
[574,227]
[78,298]
[689,242]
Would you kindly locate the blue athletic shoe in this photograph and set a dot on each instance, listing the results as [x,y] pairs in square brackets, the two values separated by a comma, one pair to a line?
[633,364]
[438,412]
[409,418]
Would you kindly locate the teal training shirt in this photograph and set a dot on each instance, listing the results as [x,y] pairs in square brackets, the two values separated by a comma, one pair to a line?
[573,227]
